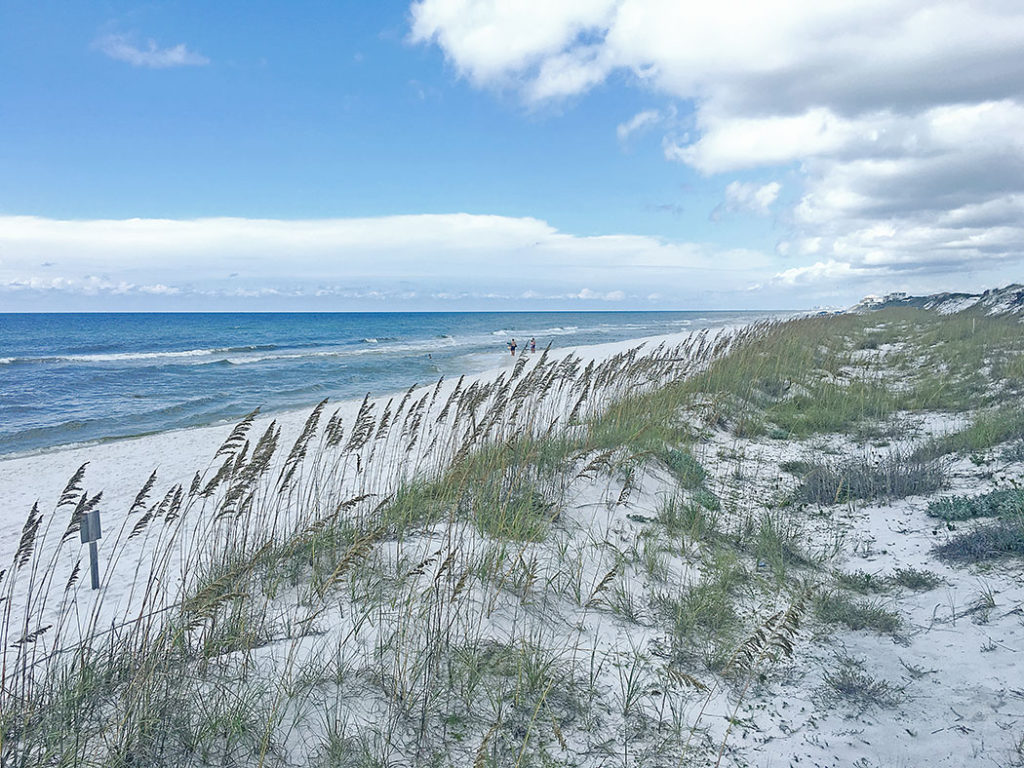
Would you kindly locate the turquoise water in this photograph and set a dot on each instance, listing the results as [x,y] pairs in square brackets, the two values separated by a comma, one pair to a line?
[72,378]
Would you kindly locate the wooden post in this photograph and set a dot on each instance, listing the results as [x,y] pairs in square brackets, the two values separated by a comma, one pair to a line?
[91,532]
[94,565]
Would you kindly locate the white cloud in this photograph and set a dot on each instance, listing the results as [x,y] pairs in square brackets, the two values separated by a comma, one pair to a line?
[464,260]
[451,256]
[588,295]
[122,48]
[487,40]
[88,285]
[730,143]
[638,122]
[159,290]
[903,119]
[459,259]
[830,270]
[748,196]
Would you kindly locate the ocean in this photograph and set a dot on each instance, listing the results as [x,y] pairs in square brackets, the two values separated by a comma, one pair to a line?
[81,378]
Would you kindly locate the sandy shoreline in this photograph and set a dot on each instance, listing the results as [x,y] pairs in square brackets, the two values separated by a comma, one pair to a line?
[653,567]
[119,467]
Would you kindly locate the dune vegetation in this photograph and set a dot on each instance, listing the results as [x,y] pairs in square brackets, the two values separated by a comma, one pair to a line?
[632,561]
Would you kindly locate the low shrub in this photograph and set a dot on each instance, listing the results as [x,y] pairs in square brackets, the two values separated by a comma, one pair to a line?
[796,467]
[893,477]
[1005,501]
[1013,452]
[707,499]
[686,469]
[988,542]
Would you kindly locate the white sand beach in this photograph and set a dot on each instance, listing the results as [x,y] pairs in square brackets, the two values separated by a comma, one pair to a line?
[119,468]
[942,685]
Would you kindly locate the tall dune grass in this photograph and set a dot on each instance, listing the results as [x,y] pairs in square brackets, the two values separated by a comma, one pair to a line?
[443,579]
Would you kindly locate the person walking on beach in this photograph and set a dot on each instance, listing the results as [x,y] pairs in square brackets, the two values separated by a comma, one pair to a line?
[533,344]
[512,347]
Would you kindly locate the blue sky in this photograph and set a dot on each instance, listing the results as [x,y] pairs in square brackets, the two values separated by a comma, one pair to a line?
[595,176]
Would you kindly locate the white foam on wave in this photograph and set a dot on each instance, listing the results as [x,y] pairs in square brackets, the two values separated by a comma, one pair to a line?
[110,357]
[376,349]
[558,330]
[115,357]
[119,356]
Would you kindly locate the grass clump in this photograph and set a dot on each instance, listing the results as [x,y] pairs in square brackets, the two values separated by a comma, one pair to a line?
[916,579]
[862,582]
[839,608]
[749,426]
[414,505]
[871,341]
[645,422]
[688,520]
[703,618]
[850,682]
[773,539]
[508,490]
[511,508]
[989,428]
[892,477]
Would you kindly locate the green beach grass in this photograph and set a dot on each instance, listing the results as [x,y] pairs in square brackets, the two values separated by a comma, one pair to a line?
[448,580]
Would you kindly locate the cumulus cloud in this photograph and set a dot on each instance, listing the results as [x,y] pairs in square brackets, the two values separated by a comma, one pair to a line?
[903,119]
[489,40]
[122,48]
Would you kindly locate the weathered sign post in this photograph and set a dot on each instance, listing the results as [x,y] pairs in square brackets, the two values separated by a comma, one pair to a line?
[90,530]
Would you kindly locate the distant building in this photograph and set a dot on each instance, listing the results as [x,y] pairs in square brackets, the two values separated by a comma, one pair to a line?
[872,301]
